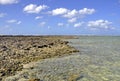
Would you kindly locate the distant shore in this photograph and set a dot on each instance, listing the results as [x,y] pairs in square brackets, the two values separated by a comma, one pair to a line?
[15,51]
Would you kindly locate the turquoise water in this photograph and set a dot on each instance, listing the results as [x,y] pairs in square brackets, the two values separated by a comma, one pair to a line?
[98,60]
[99,48]
[103,53]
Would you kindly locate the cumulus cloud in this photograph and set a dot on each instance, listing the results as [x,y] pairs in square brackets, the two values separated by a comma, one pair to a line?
[100,24]
[78,24]
[14,21]
[32,8]
[38,17]
[79,13]
[4,2]
[59,11]
[86,11]
[72,13]
[72,20]
[42,24]
[2,15]
[60,24]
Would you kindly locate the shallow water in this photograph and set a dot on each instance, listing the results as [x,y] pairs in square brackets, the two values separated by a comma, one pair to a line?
[98,60]
[104,55]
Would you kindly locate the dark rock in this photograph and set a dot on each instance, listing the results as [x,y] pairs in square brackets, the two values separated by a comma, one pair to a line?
[42,46]
[27,49]
[16,51]
[34,80]
[34,45]
[2,73]
[51,44]
[0,78]
[3,48]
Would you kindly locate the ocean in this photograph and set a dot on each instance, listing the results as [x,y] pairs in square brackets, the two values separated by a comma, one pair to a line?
[103,53]
[98,60]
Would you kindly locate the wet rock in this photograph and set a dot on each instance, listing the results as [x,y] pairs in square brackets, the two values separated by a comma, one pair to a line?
[42,46]
[51,44]
[2,73]
[2,57]
[27,49]
[34,79]
[3,48]
[16,51]
[0,79]
[34,45]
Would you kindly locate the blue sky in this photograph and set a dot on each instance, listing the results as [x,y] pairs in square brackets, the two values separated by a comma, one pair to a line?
[59,17]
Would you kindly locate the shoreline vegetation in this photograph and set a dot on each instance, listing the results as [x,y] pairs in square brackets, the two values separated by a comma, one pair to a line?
[15,51]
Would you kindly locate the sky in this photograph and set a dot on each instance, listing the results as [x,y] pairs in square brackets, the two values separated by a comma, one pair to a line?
[59,17]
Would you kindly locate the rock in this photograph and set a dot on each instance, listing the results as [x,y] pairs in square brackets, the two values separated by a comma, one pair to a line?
[27,49]
[0,78]
[42,46]
[34,79]
[34,45]
[3,48]
[17,51]
[51,44]
[2,73]
[73,77]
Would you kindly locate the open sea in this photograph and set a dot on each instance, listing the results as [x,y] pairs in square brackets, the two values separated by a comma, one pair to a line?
[98,60]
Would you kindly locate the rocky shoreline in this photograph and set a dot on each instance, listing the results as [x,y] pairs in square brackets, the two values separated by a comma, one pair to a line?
[15,51]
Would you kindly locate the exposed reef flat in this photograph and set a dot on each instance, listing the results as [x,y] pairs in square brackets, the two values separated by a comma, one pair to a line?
[15,51]
[98,60]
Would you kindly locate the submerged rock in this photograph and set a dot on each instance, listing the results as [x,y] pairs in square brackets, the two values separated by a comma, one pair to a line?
[34,79]
[16,51]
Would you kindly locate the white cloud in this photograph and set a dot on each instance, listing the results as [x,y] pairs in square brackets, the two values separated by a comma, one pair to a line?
[14,21]
[59,11]
[38,17]
[42,24]
[60,24]
[32,8]
[78,24]
[72,20]
[86,11]
[2,15]
[72,13]
[79,13]
[100,24]
[4,2]
[19,22]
